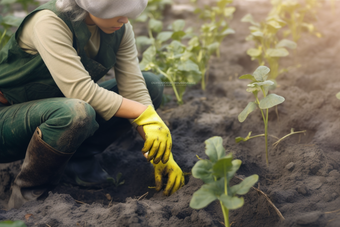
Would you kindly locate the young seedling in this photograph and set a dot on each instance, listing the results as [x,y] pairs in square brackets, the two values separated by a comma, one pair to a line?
[118,181]
[295,14]
[212,33]
[259,84]
[172,60]
[268,47]
[216,174]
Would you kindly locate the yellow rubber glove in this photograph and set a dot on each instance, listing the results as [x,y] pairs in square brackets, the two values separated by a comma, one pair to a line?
[157,136]
[175,176]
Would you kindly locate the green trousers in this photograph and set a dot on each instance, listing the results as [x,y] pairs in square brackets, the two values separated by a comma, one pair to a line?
[66,124]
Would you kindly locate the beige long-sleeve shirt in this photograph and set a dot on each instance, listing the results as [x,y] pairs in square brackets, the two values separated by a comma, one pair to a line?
[45,33]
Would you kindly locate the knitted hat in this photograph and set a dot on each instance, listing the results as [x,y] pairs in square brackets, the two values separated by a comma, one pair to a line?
[106,9]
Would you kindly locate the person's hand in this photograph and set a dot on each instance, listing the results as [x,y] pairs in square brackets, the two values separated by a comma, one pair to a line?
[175,176]
[157,136]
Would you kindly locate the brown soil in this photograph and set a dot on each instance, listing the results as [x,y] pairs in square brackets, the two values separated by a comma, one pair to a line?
[306,192]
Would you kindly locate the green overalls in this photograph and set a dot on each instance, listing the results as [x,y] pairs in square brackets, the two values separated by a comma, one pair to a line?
[36,101]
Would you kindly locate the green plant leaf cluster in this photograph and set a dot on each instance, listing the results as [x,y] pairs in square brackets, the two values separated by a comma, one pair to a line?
[259,84]
[12,224]
[216,173]
[154,9]
[169,56]
[9,22]
[297,14]
[118,181]
[269,48]
[212,33]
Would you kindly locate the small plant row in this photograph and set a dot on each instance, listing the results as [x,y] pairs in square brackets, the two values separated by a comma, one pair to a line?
[180,55]
[287,19]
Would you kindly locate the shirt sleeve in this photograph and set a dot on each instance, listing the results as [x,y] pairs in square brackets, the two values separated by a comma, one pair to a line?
[52,39]
[130,81]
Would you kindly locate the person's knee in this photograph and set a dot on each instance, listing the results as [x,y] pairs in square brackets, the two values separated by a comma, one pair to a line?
[72,114]
[83,116]
[71,123]
[155,87]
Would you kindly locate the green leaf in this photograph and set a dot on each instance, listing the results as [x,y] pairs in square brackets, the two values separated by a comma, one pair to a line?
[143,41]
[264,83]
[178,35]
[231,203]
[249,108]
[142,18]
[203,170]
[202,198]
[249,18]
[277,52]
[175,47]
[189,66]
[206,194]
[12,224]
[253,52]
[228,31]
[213,47]
[229,11]
[164,36]
[274,24]
[214,148]
[194,42]
[247,77]
[11,20]
[270,101]
[257,34]
[261,72]
[236,165]
[222,166]
[338,95]
[155,25]
[178,25]
[253,89]
[243,187]
[286,43]
[240,139]
[148,56]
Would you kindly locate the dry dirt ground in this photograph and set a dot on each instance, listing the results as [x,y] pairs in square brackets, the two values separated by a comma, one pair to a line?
[302,179]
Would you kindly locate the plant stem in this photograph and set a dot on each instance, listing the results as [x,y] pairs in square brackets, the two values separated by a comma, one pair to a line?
[3,35]
[203,79]
[292,133]
[252,137]
[225,215]
[265,120]
[266,136]
[172,84]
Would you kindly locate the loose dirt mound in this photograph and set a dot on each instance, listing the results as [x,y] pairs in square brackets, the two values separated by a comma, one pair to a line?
[302,179]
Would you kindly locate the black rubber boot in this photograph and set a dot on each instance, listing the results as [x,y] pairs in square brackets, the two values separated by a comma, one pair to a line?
[42,168]
[87,172]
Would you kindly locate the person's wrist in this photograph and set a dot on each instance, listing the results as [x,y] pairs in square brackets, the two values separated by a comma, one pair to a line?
[140,110]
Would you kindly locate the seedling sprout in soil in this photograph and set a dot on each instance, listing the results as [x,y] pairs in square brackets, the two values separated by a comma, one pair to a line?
[259,84]
[212,33]
[296,15]
[216,173]
[268,47]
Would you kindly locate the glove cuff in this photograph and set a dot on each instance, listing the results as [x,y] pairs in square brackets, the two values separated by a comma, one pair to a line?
[148,116]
